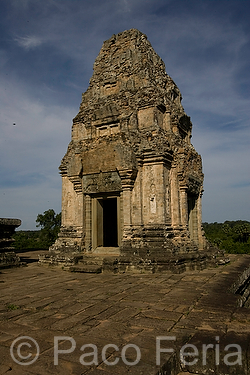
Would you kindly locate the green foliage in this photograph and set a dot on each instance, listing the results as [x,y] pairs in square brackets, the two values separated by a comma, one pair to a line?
[232,236]
[12,307]
[29,239]
[49,222]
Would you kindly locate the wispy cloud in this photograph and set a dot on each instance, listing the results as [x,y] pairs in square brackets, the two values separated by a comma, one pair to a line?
[125,5]
[29,42]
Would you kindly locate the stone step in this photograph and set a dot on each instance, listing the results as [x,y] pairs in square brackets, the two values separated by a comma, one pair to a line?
[90,261]
[95,259]
[88,268]
[94,264]
[106,251]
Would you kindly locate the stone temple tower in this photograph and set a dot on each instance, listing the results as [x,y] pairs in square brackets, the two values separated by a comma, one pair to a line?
[131,179]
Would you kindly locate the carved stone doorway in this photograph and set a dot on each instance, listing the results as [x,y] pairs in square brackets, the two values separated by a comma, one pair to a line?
[106,222]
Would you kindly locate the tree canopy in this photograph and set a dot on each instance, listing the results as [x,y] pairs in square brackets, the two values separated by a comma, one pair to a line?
[231,236]
[49,222]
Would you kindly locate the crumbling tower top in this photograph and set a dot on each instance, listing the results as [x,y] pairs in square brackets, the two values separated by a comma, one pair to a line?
[128,76]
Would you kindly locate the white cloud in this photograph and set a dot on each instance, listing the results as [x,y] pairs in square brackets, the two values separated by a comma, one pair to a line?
[29,42]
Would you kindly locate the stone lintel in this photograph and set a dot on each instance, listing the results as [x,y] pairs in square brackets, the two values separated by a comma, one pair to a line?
[152,158]
[106,121]
[101,183]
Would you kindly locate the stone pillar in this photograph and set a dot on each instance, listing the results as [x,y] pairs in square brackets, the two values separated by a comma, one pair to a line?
[136,199]
[195,223]
[193,218]
[127,178]
[201,238]
[184,206]
[175,199]
[167,195]
[153,193]
[76,199]
[126,195]
[68,202]
[64,194]
[79,210]
[88,223]
[70,238]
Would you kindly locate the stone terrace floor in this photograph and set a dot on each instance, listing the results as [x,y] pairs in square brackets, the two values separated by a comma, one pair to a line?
[124,309]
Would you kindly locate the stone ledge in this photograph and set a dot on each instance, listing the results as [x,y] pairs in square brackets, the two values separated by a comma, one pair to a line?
[9,259]
[12,222]
[84,262]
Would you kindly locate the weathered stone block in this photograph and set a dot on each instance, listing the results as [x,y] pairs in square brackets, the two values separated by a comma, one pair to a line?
[8,258]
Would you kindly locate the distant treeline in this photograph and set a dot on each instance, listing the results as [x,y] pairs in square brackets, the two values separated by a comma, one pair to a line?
[50,223]
[231,236]
[29,239]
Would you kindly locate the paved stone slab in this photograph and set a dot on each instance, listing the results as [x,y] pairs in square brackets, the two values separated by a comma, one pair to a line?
[119,314]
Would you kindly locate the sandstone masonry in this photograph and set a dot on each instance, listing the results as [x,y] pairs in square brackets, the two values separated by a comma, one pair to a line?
[8,258]
[131,179]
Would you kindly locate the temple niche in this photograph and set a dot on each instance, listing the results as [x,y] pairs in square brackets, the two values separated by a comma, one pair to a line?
[131,180]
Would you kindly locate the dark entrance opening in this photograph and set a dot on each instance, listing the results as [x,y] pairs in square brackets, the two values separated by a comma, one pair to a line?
[110,238]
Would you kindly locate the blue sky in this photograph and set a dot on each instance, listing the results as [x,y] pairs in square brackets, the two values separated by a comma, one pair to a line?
[47,51]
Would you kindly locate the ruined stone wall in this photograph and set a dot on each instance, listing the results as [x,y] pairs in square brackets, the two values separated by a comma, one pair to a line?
[8,258]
